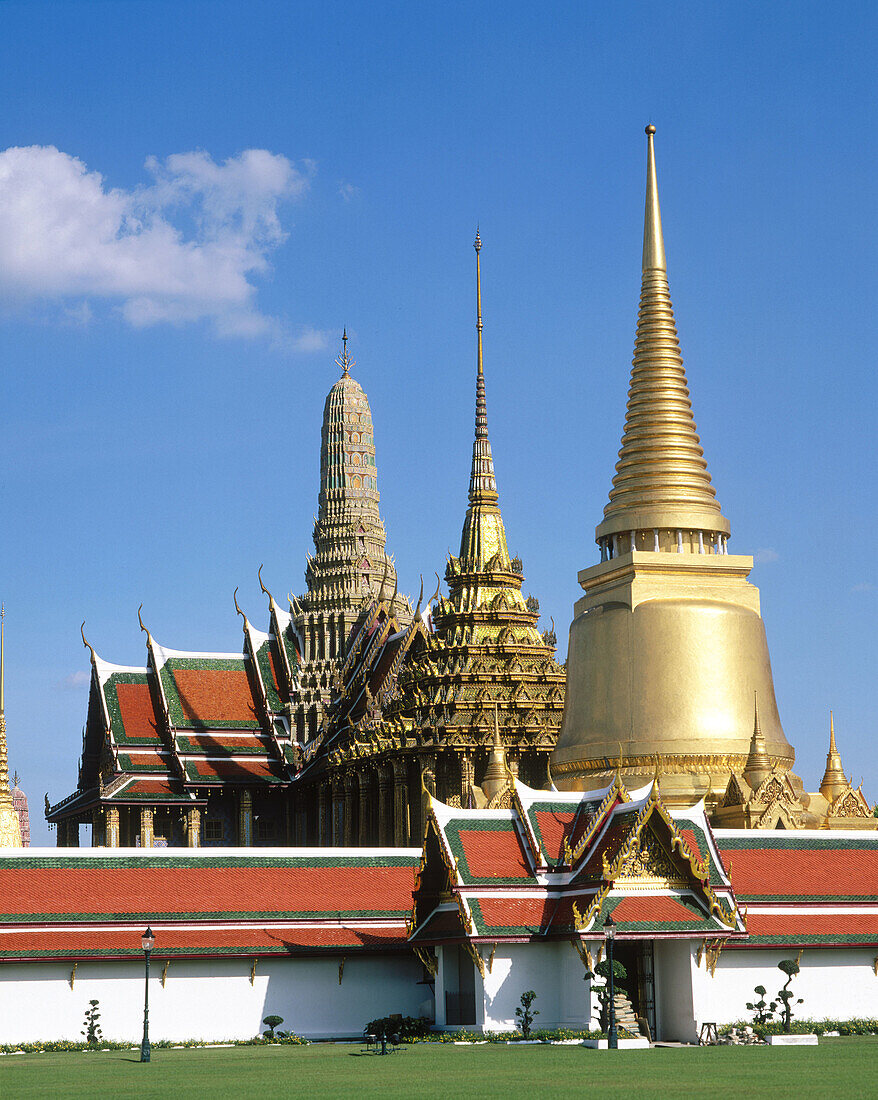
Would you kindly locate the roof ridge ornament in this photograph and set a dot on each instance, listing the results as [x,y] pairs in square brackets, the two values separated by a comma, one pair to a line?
[142,627]
[238,608]
[344,361]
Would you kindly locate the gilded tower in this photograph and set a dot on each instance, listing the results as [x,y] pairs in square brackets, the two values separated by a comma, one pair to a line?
[350,566]
[488,682]
[667,646]
[10,831]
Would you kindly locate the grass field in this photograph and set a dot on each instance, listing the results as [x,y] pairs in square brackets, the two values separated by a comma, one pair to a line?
[846,1067]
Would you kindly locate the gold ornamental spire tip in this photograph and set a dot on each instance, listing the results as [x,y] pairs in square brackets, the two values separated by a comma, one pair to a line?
[344,361]
[653,241]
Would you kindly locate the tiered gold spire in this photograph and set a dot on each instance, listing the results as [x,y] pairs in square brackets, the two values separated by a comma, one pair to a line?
[834,781]
[661,482]
[483,532]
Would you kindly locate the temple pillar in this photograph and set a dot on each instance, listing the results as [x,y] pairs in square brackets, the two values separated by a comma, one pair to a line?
[337,811]
[366,811]
[323,831]
[400,804]
[350,789]
[61,834]
[72,838]
[385,806]
[245,819]
[146,832]
[193,827]
[112,826]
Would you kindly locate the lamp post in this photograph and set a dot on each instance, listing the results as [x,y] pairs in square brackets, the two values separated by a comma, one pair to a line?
[147,940]
[610,934]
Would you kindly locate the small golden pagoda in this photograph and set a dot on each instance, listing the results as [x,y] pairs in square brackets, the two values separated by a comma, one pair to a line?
[667,645]
[768,797]
[10,831]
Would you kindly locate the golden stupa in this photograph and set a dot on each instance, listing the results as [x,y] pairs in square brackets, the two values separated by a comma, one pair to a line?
[667,646]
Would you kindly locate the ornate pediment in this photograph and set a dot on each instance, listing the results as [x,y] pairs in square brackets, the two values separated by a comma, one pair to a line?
[734,795]
[649,859]
[850,804]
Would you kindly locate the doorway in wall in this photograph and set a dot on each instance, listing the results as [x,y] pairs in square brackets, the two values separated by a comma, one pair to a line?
[460,986]
[639,985]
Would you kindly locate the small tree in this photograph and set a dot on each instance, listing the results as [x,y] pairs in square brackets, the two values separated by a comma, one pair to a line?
[92,1029]
[602,970]
[272,1022]
[525,1014]
[791,968]
[763,1012]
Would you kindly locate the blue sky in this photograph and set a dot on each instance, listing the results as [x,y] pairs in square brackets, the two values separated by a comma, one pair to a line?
[204,194]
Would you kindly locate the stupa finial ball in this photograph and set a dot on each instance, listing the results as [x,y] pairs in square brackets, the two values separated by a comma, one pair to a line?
[649,129]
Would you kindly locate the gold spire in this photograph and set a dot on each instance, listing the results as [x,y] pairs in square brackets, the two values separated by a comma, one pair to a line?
[758,766]
[482,485]
[661,481]
[483,532]
[834,781]
[496,777]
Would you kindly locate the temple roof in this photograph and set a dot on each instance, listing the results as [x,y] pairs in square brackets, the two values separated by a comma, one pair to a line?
[557,865]
[806,886]
[189,720]
[90,904]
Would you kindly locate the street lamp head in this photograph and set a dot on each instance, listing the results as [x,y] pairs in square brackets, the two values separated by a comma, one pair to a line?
[610,927]
[147,940]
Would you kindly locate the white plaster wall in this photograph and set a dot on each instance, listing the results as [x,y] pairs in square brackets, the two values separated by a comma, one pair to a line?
[206,999]
[674,1016]
[838,984]
[552,970]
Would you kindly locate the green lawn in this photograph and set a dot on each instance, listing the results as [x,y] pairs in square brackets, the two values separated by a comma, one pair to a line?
[845,1067]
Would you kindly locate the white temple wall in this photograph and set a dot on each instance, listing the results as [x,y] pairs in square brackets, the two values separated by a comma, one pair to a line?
[209,999]
[552,970]
[835,984]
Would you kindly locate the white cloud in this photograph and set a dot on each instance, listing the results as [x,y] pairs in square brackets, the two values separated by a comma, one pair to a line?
[184,247]
[864,586]
[766,555]
[348,191]
[75,681]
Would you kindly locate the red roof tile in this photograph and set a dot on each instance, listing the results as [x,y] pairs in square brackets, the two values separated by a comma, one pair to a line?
[492,854]
[199,941]
[230,769]
[809,871]
[657,909]
[221,695]
[553,826]
[516,912]
[144,886]
[136,710]
[799,926]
